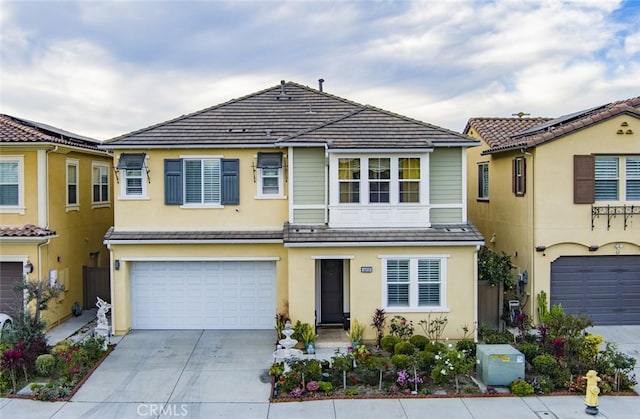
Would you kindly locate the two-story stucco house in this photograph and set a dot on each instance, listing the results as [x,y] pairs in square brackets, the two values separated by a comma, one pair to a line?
[290,198]
[562,198]
[55,207]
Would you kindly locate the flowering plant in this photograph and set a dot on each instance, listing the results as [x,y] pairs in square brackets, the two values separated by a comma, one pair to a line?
[450,365]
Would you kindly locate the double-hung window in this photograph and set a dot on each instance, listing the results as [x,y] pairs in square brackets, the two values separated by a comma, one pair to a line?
[409,179]
[349,180]
[632,175]
[379,179]
[519,176]
[414,283]
[483,180]
[269,166]
[72,183]
[11,184]
[100,183]
[606,178]
[201,181]
[132,168]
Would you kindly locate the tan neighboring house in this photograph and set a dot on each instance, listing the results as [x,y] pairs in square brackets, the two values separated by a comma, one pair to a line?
[562,198]
[290,198]
[55,206]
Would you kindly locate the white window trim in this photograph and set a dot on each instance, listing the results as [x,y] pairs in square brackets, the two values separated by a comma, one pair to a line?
[625,190]
[75,163]
[484,164]
[100,204]
[261,195]
[123,187]
[413,284]
[394,182]
[20,208]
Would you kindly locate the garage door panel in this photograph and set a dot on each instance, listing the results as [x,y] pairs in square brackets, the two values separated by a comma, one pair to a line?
[606,288]
[203,295]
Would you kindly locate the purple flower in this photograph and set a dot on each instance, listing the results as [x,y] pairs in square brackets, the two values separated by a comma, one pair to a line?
[297,392]
[312,386]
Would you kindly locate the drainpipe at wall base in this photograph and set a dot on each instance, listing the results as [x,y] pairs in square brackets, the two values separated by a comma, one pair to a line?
[111,286]
[475,293]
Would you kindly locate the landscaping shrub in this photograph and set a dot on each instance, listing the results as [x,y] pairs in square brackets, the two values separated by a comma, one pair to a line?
[401,327]
[435,347]
[45,364]
[389,342]
[93,347]
[325,387]
[521,388]
[530,351]
[419,341]
[426,360]
[401,361]
[543,384]
[404,347]
[545,364]
[467,346]
[490,336]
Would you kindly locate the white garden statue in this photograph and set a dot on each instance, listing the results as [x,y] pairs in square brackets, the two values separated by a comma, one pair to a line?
[103,307]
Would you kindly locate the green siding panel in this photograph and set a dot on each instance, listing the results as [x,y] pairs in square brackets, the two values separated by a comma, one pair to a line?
[308,176]
[445,176]
[308,216]
[446,215]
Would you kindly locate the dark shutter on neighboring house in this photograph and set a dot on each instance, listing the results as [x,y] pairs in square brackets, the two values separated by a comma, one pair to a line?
[519,176]
[173,182]
[583,179]
[230,182]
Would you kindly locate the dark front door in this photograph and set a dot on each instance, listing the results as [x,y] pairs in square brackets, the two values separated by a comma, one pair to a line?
[10,297]
[331,291]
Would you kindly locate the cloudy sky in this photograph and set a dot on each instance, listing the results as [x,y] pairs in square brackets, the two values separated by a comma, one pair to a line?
[105,68]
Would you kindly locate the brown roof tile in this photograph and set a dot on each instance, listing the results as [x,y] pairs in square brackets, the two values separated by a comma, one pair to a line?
[163,236]
[27,230]
[18,130]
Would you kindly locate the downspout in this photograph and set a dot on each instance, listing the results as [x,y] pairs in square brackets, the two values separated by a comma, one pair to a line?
[112,263]
[533,234]
[326,184]
[475,293]
[43,187]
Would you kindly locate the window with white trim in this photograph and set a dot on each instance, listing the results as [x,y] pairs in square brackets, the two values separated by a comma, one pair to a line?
[73,200]
[349,180]
[202,181]
[270,177]
[632,175]
[100,182]
[379,179]
[414,283]
[409,179]
[132,168]
[483,180]
[11,183]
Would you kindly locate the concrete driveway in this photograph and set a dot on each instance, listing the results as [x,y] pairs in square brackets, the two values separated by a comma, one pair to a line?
[179,370]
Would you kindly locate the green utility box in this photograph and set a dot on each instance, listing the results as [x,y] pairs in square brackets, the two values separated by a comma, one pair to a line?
[499,365]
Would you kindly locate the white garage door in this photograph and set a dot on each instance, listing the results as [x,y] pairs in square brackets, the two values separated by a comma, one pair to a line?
[203,295]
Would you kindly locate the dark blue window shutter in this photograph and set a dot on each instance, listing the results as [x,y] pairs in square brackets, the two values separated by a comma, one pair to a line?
[173,182]
[230,182]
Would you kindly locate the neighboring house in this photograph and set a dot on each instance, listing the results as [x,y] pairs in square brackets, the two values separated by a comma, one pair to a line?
[55,207]
[562,198]
[290,198]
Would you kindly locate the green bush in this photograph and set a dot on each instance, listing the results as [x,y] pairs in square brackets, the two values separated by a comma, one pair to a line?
[530,350]
[325,387]
[543,384]
[419,341]
[405,348]
[401,361]
[545,364]
[521,388]
[389,342]
[93,348]
[495,337]
[45,364]
[426,360]
[435,347]
[467,346]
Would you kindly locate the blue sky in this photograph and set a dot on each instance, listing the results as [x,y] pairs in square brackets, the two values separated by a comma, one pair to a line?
[104,68]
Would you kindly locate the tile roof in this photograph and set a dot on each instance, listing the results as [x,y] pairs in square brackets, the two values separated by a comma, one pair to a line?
[18,130]
[511,134]
[299,234]
[292,112]
[163,236]
[27,230]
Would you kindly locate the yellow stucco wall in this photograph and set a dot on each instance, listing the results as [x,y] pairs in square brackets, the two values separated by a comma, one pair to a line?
[150,213]
[78,232]
[365,289]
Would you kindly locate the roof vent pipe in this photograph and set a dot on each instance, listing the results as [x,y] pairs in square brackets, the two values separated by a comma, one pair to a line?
[282,93]
[320,81]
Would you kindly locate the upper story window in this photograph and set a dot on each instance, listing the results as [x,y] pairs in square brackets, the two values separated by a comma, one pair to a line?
[132,168]
[519,176]
[632,175]
[11,184]
[270,177]
[483,180]
[414,283]
[606,178]
[349,180]
[100,182]
[389,180]
[72,183]
[201,181]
